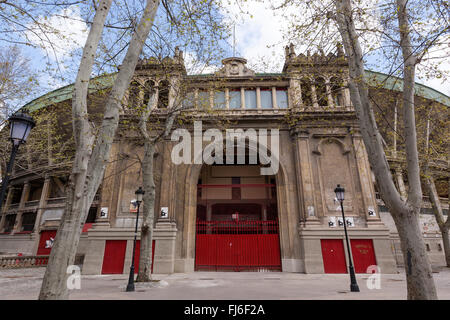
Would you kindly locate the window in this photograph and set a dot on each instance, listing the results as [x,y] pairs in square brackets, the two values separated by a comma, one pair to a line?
[148,91]
[236,192]
[250,99]
[203,98]
[219,100]
[336,92]
[282,99]
[92,215]
[306,92]
[10,219]
[266,98]
[163,97]
[235,98]
[321,92]
[189,100]
[133,97]
[28,220]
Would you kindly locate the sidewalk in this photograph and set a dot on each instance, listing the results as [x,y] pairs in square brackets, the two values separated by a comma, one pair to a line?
[25,284]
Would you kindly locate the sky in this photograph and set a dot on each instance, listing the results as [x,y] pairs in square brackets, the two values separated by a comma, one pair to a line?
[258,38]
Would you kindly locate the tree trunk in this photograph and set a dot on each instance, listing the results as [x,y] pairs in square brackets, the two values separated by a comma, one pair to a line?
[90,158]
[145,259]
[446,241]
[418,269]
[439,215]
[419,275]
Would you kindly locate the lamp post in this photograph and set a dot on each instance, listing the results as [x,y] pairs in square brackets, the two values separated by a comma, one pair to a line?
[139,194]
[340,196]
[20,127]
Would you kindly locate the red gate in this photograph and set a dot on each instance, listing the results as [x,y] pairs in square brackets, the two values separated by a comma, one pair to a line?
[237,246]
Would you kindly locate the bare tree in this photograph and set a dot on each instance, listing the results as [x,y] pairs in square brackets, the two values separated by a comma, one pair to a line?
[385,32]
[17,80]
[405,213]
[92,149]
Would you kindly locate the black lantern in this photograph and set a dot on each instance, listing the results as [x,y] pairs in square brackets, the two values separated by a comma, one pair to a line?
[139,195]
[21,125]
[340,192]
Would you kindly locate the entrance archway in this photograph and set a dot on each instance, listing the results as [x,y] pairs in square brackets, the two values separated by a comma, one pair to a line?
[236,220]
[284,209]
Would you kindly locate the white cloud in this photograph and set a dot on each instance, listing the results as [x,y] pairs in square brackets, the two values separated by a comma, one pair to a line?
[259,38]
[60,34]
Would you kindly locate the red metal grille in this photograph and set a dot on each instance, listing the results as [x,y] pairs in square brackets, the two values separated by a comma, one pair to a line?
[237,246]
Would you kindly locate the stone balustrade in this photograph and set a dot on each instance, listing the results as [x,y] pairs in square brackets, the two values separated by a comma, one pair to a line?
[23,262]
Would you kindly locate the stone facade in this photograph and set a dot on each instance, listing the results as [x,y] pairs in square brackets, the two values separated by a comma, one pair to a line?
[320,146]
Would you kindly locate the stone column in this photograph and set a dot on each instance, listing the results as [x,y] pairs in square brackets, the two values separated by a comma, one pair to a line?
[42,203]
[401,183]
[346,94]
[242,98]
[258,98]
[5,208]
[365,178]
[314,96]
[166,179]
[329,96]
[164,234]
[295,97]
[305,183]
[23,199]
[274,98]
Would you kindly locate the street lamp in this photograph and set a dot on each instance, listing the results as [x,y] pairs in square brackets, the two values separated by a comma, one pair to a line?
[340,192]
[20,127]
[139,194]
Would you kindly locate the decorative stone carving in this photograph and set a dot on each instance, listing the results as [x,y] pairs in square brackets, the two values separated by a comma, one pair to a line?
[235,67]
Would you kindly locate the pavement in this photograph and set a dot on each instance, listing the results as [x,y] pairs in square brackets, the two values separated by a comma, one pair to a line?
[24,284]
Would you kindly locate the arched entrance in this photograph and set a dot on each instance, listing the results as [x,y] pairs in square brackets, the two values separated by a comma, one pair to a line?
[236,220]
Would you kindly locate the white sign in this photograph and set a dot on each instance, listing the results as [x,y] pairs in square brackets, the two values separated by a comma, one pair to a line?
[49,243]
[350,222]
[372,212]
[332,222]
[104,212]
[164,212]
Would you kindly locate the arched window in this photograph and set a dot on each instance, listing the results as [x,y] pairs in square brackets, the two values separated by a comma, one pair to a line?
[133,94]
[306,92]
[337,91]
[148,91]
[321,92]
[163,98]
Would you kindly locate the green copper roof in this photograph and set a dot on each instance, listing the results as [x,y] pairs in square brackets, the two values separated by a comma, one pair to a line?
[381,80]
[65,93]
[374,79]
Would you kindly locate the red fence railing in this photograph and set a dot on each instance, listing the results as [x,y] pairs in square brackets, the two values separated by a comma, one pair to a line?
[237,246]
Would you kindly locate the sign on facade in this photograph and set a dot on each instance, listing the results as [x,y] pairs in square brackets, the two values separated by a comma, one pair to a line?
[164,212]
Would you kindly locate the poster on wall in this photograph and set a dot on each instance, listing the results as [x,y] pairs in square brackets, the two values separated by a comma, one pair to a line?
[133,206]
[104,212]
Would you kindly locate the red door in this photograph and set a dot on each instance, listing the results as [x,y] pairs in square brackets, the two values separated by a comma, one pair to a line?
[45,247]
[114,257]
[333,256]
[363,254]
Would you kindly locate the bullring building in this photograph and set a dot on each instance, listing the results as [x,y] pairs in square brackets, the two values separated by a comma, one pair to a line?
[275,212]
